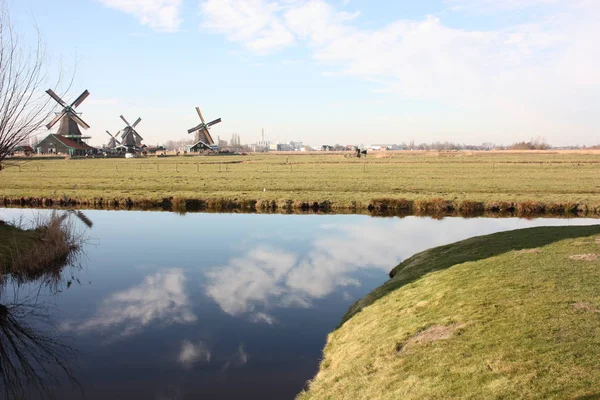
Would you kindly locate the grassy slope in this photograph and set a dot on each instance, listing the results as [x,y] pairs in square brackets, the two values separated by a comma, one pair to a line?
[517,333]
[481,177]
[12,240]
[471,249]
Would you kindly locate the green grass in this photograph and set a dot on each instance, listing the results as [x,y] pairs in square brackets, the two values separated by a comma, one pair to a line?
[472,249]
[481,319]
[562,181]
[12,241]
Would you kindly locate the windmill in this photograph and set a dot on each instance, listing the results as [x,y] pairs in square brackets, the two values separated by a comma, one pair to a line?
[131,140]
[69,118]
[112,142]
[203,139]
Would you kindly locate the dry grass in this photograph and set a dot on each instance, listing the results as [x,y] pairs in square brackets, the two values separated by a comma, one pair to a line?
[585,307]
[429,335]
[512,326]
[584,257]
[43,249]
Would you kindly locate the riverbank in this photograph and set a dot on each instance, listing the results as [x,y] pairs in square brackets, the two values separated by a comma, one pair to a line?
[27,254]
[509,315]
[393,183]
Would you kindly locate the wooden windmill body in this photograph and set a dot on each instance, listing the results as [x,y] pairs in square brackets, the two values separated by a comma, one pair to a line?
[70,121]
[202,138]
[131,141]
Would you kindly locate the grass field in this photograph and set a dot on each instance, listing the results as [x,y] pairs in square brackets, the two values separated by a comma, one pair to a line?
[419,181]
[484,318]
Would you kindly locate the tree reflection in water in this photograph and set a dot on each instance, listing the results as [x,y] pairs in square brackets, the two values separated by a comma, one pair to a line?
[34,360]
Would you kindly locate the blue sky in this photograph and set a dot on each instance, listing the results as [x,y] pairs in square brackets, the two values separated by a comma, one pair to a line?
[351,72]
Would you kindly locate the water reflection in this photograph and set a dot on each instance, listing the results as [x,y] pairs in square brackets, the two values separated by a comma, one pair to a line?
[33,360]
[193,353]
[34,356]
[266,278]
[160,297]
[225,306]
[238,359]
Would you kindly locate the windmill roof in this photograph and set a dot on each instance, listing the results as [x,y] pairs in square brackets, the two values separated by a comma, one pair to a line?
[73,144]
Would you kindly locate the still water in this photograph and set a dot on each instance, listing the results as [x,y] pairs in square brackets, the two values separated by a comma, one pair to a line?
[218,306]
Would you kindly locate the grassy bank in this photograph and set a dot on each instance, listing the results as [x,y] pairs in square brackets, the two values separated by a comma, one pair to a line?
[509,315]
[405,182]
[27,254]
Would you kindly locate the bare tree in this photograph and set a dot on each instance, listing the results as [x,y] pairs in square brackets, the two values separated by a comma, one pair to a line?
[24,107]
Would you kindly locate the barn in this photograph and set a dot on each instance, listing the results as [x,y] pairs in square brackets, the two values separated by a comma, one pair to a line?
[58,144]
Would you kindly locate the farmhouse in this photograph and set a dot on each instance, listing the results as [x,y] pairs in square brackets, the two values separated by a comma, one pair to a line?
[58,144]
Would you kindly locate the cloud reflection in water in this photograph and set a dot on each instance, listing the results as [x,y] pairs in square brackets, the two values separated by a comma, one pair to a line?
[192,353]
[266,278]
[161,297]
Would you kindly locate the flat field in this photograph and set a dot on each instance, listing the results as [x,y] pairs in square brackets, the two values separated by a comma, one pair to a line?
[487,179]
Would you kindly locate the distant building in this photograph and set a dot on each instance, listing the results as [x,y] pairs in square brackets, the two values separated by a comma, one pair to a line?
[23,151]
[296,146]
[58,144]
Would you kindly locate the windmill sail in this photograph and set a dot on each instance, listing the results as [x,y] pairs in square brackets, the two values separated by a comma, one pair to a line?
[70,121]
[202,135]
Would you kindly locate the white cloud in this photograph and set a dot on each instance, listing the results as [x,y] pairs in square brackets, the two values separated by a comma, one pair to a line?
[495,5]
[160,15]
[159,298]
[251,22]
[192,353]
[527,76]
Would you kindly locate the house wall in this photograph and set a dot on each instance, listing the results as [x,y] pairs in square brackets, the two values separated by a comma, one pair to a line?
[51,145]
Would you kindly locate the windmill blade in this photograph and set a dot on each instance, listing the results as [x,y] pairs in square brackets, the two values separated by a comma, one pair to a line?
[81,122]
[208,137]
[80,99]
[124,120]
[136,122]
[138,135]
[55,120]
[216,121]
[200,114]
[114,137]
[196,128]
[55,97]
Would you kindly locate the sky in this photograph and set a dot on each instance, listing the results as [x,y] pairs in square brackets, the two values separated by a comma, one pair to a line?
[325,72]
